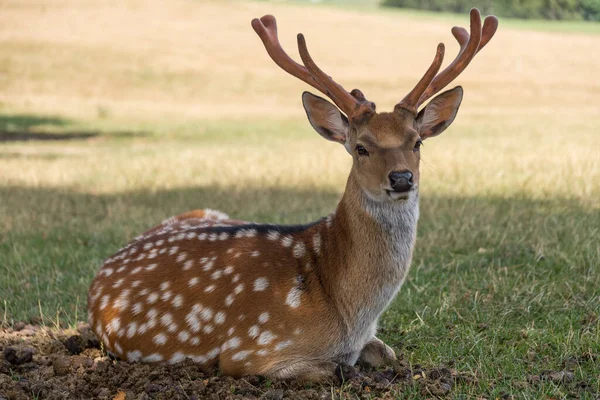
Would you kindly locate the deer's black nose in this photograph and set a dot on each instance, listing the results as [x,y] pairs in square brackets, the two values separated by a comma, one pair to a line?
[401,181]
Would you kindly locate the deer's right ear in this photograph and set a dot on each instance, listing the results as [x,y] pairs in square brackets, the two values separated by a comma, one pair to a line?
[325,118]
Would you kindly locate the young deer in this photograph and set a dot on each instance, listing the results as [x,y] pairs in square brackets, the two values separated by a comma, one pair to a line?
[288,301]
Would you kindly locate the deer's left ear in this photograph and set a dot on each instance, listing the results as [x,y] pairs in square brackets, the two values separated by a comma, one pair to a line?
[439,113]
[325,118]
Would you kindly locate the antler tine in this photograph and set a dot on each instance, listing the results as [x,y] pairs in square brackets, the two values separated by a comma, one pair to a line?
[353,104]
[410,100]
[468,50]
[349,104]
[266,29]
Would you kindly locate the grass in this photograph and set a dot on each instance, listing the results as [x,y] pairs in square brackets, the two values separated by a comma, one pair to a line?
[504,282]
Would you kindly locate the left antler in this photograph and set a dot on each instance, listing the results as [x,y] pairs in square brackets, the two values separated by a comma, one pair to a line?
[470,44]
[353,104]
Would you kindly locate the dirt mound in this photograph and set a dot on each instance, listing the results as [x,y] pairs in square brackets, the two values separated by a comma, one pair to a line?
[47,363]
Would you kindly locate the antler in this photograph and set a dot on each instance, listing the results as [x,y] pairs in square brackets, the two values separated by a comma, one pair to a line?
[470,44]
[353,104]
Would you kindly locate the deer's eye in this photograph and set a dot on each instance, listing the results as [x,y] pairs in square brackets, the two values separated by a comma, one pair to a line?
[361,151]
[418,145]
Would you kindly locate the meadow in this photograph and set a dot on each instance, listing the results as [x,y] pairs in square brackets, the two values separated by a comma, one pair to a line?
[115,115]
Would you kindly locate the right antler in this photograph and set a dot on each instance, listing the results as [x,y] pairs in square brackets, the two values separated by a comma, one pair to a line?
[353,104]
[432,82]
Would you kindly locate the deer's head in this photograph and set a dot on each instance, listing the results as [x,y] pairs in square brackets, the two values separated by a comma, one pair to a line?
[385,147]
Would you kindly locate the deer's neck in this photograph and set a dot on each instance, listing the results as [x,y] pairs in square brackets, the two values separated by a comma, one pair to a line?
[370,247]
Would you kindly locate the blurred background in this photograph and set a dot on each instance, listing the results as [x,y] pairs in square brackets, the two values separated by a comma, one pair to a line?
[115,115]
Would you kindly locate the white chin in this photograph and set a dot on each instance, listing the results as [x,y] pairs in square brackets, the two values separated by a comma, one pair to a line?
[399,196]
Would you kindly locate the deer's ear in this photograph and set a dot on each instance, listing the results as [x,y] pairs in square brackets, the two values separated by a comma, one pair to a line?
[325,118]
[439,113]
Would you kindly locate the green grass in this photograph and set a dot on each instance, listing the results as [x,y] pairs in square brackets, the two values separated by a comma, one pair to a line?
[504,282]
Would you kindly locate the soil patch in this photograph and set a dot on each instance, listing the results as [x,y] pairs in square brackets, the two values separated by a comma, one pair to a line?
[43,363]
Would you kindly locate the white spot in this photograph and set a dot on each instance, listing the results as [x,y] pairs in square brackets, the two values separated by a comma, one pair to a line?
[195,341]
[131,329]
[143,328]
[173,250]
[297,331]
[121,269]
[224,236]
[188,265]
[134,356]
[118,348]
[329,220]
[166,319]
[293,297]
[209,288]
[206,314]
[152,297]
[202,236]
[122,301]
[190,235]
[213,353]
[260,284]
[216,275]
[154,357]
[144,292]
[160,339]
[253,331]
[160,242]
[219,318]
[263,318]
[137,308]
[232,343]
[229,300]
[228,270]
[255,253]
[166,295]
[193,282]
[208,328]
[193,322]
[183,336]
[241,355]
[151,267]
[104,301]
[287,241]
[239,288]
[165,285]
[177,301]
[208,266]
[176,358]
[235,278]
[265,338]
[181,256]
[136,270]
[245,233]
[283,345]
[262,352]
[230,331]
[136,283]
[148,246]
[273,235]
[118,283]
[212,237]
[113,325]
[299,250]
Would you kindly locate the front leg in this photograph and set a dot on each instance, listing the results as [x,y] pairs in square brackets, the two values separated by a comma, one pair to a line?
[309,370]
[376,353]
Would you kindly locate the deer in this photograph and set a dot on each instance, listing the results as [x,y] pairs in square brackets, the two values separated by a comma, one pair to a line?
[289,302]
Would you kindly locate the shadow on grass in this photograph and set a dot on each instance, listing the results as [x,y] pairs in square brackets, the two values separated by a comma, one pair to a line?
[30,127]
[52,241]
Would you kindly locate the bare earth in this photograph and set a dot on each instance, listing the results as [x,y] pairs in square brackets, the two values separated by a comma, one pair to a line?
[48,363]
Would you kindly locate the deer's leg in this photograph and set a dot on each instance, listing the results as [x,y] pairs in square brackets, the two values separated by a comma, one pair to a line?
[376,353]
[310,370]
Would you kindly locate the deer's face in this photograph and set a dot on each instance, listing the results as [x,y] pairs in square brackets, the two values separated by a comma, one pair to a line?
[385,147]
